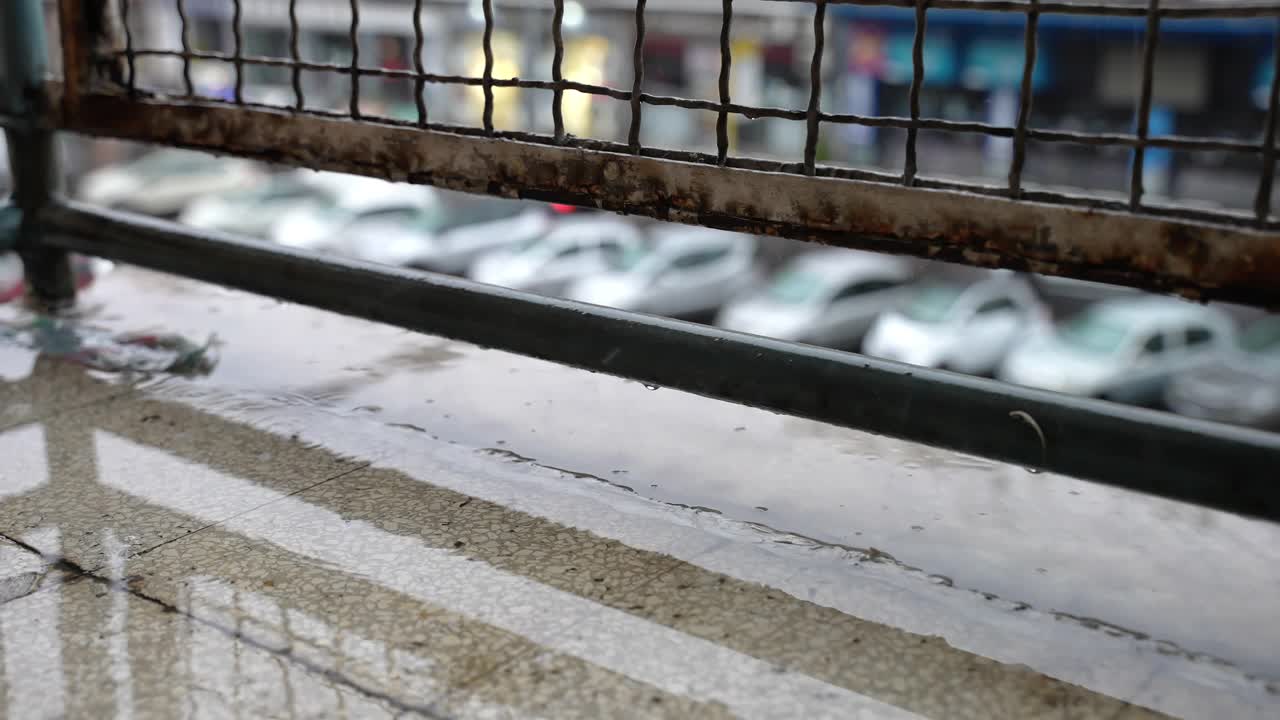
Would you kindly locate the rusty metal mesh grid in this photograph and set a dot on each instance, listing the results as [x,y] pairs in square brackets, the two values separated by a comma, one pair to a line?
[1152,12]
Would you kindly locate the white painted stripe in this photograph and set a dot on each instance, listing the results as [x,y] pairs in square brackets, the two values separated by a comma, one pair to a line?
[563,622]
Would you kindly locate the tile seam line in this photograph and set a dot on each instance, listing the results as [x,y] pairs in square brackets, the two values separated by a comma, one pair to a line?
[78,573]
[74,567]
[246,511]
[333,675]
[92,575]
[28,547]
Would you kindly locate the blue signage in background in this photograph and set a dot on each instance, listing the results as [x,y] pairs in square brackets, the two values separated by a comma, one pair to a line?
[939,59]
[1157,164]
[989,63]
[1225,28]
[1262,79]
[993,63]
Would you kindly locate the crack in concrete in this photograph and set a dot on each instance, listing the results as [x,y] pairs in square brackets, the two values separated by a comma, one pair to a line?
[332,675]
[255,508]
[284,654]
[858,555]
[20,585]
[59,564]
[127,585]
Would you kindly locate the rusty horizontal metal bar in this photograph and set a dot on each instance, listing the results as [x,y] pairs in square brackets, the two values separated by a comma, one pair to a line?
[1209,215]
[1194,259]
[1213,465]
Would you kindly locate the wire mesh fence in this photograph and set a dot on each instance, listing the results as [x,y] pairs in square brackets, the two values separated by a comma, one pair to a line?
[360,66]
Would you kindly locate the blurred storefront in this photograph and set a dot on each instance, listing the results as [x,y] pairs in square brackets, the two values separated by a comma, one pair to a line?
[1211,78]
[681,56]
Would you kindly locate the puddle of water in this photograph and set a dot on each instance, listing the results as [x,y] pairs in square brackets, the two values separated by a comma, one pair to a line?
[74,340]
[989,527]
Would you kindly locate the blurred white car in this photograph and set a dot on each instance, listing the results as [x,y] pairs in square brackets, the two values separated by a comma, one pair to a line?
[448,235]
[829,297]
[1242,386]
[1124,350]
[966,328]
[163,182]
[682,272]
[574,249]
[321,222]
[253,210]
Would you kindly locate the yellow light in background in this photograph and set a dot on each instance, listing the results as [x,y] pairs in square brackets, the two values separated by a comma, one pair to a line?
[507,113]
[584,62]
[745,81]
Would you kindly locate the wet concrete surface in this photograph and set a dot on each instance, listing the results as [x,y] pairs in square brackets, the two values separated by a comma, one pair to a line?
[438,529]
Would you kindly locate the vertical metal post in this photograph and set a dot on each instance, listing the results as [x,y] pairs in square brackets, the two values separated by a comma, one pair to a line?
[32,155]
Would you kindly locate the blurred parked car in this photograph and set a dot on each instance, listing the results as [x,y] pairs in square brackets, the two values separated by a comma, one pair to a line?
[966,328]
[447,235]
[163,182]
[828,297]
[320,222]
[253,210]
[1068,296]
[1124,350]
[1242,387]
[683,272]
[574,249]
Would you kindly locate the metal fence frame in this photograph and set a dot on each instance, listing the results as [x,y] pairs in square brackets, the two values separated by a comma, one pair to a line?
[1197,253]
[1133,244]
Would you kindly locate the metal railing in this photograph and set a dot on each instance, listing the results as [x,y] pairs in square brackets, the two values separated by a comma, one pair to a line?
[1199,253]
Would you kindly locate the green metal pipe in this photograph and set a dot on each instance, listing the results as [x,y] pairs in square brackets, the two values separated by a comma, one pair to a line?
[32,153]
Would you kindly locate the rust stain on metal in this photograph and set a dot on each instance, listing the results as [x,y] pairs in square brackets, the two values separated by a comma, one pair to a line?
[90,34]
[75,60]
[1190,258]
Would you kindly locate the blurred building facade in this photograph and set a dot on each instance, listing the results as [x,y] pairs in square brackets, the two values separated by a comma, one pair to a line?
[1212,77]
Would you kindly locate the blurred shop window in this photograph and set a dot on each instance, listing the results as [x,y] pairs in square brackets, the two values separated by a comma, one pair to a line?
[395,93]
[782,86]
[584,61]
[666,72]
[207,35]
[746,86]
[779,86]
[664,65]
[333,48]
[992,74]
[508,114]
[1181,82]
[328,89]
[266,42]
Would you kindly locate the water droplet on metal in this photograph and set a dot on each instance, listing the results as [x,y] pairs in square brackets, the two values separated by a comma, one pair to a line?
[647,386]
